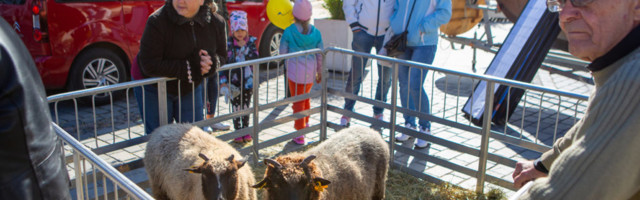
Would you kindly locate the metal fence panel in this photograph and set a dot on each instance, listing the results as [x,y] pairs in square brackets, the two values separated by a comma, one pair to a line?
[115,132]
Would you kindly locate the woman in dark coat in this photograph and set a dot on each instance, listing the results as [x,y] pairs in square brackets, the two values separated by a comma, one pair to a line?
[182,40]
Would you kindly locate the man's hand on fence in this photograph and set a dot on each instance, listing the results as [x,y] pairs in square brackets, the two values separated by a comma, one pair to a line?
[224,89]
[525,172]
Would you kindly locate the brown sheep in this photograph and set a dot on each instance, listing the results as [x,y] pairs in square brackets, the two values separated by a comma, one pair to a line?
[184,162]
[352,164]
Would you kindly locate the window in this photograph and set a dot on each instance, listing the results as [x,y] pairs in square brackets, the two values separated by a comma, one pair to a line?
[13,2]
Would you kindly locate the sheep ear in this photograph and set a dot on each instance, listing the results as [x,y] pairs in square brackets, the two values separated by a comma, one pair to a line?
[319,184]
[241,162]
[193,169]
[322,181]
[238,163]
[261,184]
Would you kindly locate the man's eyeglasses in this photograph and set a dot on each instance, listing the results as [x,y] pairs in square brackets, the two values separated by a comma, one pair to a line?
[557,5]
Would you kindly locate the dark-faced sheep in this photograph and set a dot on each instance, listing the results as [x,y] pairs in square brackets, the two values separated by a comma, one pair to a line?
[352,164]
[184,162]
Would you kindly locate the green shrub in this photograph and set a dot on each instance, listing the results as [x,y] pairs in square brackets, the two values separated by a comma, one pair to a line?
[335,8]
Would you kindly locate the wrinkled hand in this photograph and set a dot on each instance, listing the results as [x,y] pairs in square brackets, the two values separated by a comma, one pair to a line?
[318,77]
[205,62]
[224,89]
[525,172]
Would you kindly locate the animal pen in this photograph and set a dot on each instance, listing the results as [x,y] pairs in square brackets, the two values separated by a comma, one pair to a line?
[104,144]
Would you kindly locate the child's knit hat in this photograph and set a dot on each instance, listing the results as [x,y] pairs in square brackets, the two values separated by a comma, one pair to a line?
[302,9]
[238,20]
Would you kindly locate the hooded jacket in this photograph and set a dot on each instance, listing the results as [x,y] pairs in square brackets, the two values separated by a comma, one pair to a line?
[371,16]
[30,152]
[428,16]
[170,40]
[301,69]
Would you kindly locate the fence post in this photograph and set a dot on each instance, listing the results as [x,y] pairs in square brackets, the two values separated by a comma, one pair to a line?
[162,102]
[394,106]
[486,133]
[256,111]
[78,169]
[323,104]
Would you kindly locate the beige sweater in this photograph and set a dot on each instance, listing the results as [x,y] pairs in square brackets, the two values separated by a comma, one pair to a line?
[599,158]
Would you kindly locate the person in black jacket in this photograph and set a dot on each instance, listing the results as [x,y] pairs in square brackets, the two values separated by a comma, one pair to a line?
[182,40]
[30,153]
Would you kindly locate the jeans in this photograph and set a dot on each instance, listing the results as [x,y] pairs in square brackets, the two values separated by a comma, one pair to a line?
[212,93]
[363,42]
[411,81]
[183,113]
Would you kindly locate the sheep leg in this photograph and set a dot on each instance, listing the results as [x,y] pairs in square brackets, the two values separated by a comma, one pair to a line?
[381,176]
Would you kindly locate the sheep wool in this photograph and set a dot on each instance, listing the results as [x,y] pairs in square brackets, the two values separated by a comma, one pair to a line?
[174,150]
[352,164]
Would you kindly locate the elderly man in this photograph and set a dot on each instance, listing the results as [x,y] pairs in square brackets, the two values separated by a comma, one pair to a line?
[597,158]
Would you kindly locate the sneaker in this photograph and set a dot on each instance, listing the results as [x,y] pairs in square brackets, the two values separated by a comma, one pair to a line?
[402,137]
[238,140]
[345,121]
[207,129]
[220,126]
[299,139]
[421,144]
[247,138]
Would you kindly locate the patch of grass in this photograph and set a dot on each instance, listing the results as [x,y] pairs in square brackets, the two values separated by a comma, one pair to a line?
[401,186]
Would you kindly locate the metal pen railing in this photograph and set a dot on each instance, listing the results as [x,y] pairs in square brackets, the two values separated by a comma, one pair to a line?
[532,127]
[112,180]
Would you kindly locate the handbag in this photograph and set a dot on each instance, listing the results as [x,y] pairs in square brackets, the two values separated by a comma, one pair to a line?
[398,42]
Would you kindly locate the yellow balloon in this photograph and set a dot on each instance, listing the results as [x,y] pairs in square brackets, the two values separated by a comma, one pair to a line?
[280,13]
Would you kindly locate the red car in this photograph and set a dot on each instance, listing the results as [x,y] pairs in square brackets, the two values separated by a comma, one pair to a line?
[78,44]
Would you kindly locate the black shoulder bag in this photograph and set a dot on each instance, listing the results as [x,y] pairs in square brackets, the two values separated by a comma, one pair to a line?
[398,43]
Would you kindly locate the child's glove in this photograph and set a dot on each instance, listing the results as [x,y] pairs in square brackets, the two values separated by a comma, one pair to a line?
[224,89]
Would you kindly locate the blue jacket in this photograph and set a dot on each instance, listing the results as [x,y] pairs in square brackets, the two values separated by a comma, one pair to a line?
[423,28]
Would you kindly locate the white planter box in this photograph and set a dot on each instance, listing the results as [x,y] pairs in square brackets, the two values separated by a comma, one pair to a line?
[335,33]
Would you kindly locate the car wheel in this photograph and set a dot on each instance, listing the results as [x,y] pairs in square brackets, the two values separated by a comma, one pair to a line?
[96,68]
[270,42]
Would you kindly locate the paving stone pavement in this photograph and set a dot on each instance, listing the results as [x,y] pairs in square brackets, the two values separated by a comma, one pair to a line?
[447,93]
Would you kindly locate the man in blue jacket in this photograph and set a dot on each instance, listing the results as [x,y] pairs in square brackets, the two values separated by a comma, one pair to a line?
[369,20]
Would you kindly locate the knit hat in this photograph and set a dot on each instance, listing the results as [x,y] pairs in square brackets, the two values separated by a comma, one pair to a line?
[238,20]
[302,9]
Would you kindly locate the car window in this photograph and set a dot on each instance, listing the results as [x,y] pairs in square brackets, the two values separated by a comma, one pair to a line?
[13,2]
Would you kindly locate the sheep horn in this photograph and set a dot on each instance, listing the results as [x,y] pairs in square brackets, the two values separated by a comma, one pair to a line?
[205,158]
[307,160]
[305,166]
[272,162]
